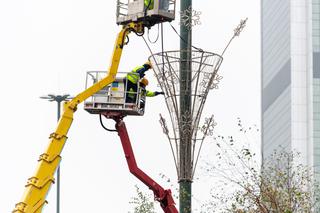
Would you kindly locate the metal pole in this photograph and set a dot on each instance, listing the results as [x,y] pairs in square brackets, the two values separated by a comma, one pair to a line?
[58,171]
[185,164]
[58,99]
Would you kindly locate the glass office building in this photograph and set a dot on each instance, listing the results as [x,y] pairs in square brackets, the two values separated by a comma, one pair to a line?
[291,78]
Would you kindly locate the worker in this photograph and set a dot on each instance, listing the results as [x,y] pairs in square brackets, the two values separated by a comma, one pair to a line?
[144,83]
[132,80]
[148,4]
[163,4]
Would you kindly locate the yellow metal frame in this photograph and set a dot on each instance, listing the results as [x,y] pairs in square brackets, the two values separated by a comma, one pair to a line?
[38,185]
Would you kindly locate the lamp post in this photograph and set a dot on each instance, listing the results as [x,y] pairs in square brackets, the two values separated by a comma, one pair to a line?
[185,179]
[58,99]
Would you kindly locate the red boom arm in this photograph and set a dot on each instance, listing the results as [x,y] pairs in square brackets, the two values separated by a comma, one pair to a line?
[160,194]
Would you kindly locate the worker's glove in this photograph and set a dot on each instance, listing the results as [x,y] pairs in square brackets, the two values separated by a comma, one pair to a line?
[158,93]
[147,66]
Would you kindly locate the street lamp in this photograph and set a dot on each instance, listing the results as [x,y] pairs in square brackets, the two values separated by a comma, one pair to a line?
[58,99]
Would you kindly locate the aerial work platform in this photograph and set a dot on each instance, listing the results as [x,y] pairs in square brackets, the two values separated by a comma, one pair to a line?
[153,13]
[114,97]
[106,94]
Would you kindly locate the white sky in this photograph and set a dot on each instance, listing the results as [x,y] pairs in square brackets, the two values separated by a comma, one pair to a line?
[47,47]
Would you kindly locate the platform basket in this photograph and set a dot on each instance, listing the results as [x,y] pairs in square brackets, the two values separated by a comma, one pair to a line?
[136,11]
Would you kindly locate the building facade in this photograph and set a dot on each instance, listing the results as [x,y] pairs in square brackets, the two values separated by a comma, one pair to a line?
[290,99]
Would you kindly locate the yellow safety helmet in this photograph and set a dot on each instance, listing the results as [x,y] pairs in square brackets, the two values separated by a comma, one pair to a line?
[144,81]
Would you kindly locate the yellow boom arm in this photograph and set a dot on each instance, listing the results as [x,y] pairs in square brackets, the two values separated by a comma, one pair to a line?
[38,186]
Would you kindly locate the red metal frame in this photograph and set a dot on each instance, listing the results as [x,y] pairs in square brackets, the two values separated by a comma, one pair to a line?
[162,195]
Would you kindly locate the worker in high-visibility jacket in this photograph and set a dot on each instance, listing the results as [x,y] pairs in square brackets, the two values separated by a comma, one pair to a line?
[132,81]
[148,4]
[163,4]
[144,83]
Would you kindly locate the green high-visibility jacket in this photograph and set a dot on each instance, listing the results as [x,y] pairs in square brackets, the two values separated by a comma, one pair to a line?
[148,3]
[132,93]
[150,94]
[136,74]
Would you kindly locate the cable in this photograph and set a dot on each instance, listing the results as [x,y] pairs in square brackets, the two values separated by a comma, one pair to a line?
[123,38]
[147,45]
[110,130]
[199,49]
[162,49]
[138,34]
[126,42]
[147,8]
[153,42]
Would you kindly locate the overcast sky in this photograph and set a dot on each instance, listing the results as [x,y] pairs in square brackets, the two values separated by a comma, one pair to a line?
[47,47]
